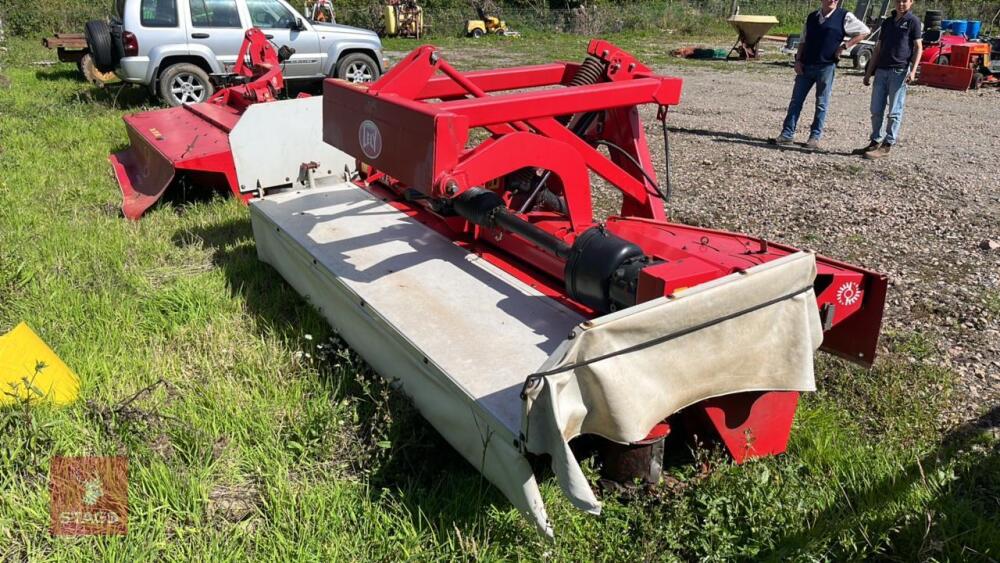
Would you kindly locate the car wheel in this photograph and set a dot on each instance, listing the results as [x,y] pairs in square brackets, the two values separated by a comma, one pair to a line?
[477,33]
[357,68]
[98,36]
[184,83]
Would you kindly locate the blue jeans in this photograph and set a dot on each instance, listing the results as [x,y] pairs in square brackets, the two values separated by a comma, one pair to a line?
[889,90]
[820,76]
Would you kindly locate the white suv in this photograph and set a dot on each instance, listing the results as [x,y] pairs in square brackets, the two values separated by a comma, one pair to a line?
[174,46]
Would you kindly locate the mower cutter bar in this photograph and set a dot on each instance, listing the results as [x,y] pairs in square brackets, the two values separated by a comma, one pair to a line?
[186,139]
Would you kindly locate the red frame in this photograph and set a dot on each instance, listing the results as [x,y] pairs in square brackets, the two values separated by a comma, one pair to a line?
[428,120]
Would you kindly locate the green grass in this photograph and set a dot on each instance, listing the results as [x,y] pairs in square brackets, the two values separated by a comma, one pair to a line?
[247,447]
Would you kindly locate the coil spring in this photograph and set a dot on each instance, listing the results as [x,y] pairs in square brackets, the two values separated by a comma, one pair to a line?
[590,72]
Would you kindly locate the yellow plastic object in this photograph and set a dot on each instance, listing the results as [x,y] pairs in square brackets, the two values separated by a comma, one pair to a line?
[30,370]
[753,28]
[390,20]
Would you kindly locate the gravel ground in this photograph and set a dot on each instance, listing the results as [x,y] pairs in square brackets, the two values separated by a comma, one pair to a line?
[928,215]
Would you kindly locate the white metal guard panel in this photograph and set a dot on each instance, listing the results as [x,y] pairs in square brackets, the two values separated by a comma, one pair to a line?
[484,329]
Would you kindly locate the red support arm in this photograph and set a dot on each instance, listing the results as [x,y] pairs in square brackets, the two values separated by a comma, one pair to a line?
[563,101]
[520,150]
[257,61]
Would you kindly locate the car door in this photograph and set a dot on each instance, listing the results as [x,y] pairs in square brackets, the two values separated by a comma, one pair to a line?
[282,26]
[217,26]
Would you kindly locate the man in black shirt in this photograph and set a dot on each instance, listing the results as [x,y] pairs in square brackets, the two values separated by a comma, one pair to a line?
[894,64]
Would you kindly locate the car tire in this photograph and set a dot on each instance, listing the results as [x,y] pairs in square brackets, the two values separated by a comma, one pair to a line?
[98,36]
[357,68]
[933,19]
[943,60]
[477,33]
[184,83]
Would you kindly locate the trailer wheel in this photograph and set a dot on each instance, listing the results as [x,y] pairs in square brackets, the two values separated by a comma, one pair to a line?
[184,83]
[861,58]
[90,73]
[977,81]
[357,68]
[98,36]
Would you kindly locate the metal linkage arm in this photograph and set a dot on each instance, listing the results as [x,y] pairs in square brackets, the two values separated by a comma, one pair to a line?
[260,63]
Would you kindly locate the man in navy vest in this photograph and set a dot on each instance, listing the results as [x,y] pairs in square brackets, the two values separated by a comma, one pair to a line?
[894,63]
[820,47]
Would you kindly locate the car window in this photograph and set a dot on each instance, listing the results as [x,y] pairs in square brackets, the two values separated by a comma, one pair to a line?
[214,13]
[158,13]
[270,14]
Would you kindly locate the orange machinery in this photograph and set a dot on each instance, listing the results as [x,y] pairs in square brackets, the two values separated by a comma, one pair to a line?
[968,67]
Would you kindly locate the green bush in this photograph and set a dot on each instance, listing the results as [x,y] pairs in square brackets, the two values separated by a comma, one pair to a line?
[31,17]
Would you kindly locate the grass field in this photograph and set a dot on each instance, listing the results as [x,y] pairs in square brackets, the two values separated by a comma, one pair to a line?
[251,434]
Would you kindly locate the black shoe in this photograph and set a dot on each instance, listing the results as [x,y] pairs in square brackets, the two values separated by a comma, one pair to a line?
[881,152]
[779,141]
[871,146]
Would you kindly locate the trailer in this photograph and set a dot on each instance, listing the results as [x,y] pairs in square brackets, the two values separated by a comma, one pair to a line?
[72,48]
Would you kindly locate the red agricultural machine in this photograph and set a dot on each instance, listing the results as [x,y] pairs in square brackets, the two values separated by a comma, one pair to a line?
[967,65]
[215,145]
[462,258]
[465,263]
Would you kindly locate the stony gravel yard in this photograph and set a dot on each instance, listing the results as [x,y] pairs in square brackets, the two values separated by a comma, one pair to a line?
[928,215]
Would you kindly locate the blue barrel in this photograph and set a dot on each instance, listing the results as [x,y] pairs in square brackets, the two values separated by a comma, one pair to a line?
[974,27]
[946,25]
[959,27]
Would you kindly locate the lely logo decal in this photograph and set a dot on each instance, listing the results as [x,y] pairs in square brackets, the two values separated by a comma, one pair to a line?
[370,139]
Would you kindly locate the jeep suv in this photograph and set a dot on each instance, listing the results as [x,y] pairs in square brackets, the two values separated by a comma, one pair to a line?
[175,46]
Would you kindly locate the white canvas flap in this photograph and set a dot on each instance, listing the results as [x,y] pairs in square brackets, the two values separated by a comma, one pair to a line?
[619,375]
